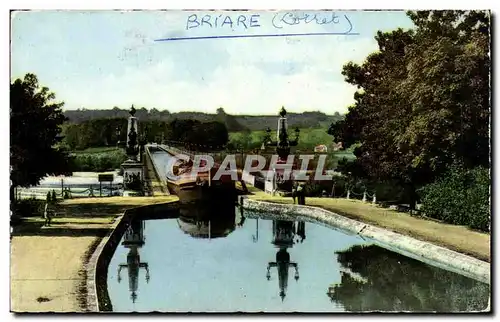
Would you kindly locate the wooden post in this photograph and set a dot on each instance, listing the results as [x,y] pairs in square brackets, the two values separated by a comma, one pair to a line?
[364,196]
[348,193]
[62,186]
[100,189]
[374,201]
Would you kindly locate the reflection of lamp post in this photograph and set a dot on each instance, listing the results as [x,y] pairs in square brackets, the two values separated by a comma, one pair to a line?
[134,239]
[283,238]
[282,264]
[133,265]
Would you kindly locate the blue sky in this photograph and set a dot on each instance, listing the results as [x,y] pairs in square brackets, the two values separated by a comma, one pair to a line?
[103,59]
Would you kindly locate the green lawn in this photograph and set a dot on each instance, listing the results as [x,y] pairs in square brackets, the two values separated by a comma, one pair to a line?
[308,138]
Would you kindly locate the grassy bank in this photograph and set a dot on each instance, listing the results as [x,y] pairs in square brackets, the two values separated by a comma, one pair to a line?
[454,237]
[47,263]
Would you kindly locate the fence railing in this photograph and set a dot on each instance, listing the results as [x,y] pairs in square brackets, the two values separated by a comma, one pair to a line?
[69,192]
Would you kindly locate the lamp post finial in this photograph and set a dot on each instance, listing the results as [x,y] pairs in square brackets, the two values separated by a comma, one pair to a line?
[283,111]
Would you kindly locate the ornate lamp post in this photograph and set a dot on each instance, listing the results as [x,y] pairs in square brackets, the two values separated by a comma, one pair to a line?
[283,144]
[132,168]
[132,142]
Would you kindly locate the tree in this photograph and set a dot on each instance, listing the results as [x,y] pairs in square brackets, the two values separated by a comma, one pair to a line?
[230,121]
[376,279]
[422,100]
[35,127]
[448,87]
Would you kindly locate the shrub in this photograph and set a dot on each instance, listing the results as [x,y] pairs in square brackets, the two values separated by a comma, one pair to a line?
[460,197]
[28,207]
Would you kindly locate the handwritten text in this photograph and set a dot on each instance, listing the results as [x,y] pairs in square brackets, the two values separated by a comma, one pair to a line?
[283,21]
[291,18]
[221,21]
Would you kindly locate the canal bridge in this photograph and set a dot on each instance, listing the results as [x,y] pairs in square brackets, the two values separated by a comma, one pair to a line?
[154,164]
[157,159]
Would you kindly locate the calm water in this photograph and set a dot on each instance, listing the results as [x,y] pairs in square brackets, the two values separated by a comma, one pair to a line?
[219,261]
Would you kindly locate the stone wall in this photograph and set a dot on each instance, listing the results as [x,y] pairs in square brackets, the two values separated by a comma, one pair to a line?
[407,246]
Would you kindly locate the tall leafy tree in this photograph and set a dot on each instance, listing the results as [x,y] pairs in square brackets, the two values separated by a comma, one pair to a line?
[35,127]
[422,100]
[448,87]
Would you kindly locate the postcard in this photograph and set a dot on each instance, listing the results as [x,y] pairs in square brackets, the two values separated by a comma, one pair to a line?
[250,161]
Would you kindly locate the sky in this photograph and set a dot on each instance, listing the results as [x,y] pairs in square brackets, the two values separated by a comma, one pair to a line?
[102,59]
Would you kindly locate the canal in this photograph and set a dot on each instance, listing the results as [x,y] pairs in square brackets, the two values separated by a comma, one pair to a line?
[213,258]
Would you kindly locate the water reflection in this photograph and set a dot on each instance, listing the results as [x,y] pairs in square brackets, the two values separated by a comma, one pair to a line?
[376,279]
[207,219]
[284,237]
[133,240]
[226,274]
[199,219]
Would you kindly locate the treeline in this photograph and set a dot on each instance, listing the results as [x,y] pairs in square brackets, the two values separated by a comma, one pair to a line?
[98,161]
[113,132]
[233,123]
[421,117]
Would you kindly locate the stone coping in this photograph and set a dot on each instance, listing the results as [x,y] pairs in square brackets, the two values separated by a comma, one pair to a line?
[97,267]
[423,251]
[92,298]
[420,250]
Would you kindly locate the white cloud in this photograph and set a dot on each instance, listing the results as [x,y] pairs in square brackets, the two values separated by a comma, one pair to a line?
[244,84]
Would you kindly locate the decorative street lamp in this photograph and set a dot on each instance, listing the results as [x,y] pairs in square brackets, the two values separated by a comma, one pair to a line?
[133,169]
[282,143]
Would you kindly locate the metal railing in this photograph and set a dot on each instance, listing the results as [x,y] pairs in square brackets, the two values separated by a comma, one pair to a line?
[68,192]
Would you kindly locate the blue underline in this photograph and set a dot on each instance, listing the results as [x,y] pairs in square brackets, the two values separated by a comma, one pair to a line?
[268,35]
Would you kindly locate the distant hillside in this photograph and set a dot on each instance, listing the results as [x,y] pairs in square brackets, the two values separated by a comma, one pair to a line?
[234,123]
